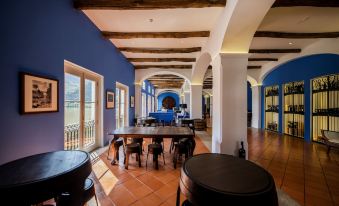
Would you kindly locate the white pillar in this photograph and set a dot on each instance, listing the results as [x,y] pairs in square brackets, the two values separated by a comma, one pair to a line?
[196,101]
[187,100]
[230,103]
[211,106]
[256,102]
[137,101]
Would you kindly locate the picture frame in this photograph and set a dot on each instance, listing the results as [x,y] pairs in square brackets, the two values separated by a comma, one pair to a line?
[132,101]
[110,99]
[39,94]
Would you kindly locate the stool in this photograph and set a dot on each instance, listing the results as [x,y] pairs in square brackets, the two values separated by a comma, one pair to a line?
[140,141]
[185,147]
[130,149]
[88,193]
[116,144]
[155,149]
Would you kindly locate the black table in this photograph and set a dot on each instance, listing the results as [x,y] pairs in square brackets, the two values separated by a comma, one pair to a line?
[219,179]
[40,177]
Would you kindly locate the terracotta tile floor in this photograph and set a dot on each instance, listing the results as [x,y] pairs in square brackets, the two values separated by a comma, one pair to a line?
[302,170]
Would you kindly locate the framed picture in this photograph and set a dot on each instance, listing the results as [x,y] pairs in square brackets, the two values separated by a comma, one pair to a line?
[38,94]
[132,101]
[109,99]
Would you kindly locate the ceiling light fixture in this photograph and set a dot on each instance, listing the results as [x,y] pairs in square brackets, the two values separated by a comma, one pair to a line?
[290,43]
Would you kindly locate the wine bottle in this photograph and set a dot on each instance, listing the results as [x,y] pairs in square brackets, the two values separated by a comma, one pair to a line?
[242,151]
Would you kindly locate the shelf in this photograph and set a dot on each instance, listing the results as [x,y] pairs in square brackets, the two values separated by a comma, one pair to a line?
[271,130]
[289,112]
[325,90]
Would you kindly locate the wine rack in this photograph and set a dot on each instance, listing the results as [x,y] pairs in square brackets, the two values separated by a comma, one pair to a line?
[325,105]
[294,109]
[272,108]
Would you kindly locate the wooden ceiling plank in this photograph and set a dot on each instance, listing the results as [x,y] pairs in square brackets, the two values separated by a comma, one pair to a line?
[160,50]
[262,59]
[145,4]
[161,59]
[313,3]
[163,66]
[253,67]
[132,35]
[289,35]
[268,51]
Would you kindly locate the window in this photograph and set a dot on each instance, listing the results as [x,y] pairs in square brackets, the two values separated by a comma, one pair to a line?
[149,89]
[143,104]
[143,85]
[149,104]
[81,114]
[120,108]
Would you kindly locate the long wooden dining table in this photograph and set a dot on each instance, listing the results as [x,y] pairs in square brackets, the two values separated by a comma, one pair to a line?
[148,132]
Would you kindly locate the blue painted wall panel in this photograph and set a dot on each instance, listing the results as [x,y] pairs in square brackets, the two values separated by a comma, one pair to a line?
[249,97]
[302,69]
[37,36]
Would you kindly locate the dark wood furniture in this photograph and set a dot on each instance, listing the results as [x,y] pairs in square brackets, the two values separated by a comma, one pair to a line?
[148,132]
[130,149]
[219,179]
[156,150]
[34,179]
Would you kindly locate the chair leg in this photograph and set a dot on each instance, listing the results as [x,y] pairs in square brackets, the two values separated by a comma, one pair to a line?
[171,146]
[139,160]
[163,156]
[109,148]
[127,158]
[146,159]
[96,199]
[328,149]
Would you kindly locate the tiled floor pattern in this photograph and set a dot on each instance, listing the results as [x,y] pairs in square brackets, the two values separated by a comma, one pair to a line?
[302,170]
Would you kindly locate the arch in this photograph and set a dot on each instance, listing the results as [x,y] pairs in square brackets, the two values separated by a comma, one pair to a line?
[200,68]
[324,46]
[252,81]
[141,76]
[168,90]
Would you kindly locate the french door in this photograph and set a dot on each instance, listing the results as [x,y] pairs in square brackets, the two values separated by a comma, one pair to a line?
[81,110]
[120,112]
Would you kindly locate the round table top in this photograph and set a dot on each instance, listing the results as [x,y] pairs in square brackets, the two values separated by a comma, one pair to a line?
[226,178]
[40,167]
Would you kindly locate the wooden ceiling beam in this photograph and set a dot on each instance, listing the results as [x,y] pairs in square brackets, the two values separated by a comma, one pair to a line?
[161,59]
[313,3]
[163,66]
[160,50]
[132,35]
[145,4]
[290,35]
[253,67]
[262,59]
[268,51]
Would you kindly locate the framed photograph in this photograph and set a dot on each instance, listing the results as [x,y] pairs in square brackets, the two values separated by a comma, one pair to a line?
[38,94]
[109,99]
[132,101]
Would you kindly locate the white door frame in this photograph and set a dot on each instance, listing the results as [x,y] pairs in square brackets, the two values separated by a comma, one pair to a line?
[127,105]
[70,67]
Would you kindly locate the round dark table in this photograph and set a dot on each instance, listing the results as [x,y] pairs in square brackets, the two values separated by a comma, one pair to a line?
[40,177]
[219,179]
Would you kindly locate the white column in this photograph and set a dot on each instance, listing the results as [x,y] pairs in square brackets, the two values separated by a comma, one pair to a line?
[256,102]
[187,100]
[137,101]
[196,101]
[211,106]
[230,104]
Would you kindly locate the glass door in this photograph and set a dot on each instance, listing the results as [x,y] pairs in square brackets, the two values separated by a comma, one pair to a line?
[81,111]
[120,112]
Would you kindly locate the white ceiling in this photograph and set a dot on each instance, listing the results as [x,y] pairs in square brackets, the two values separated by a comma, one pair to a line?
[164,20]
[301,19]
[274,43]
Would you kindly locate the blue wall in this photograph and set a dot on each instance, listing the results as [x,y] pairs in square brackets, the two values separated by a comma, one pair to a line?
[36,37]
[162,96]
[249,97]
[151,93]
[302,69]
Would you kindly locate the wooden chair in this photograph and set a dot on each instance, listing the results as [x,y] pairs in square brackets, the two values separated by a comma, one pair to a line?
[155,149]
[130,149]
[330,139]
